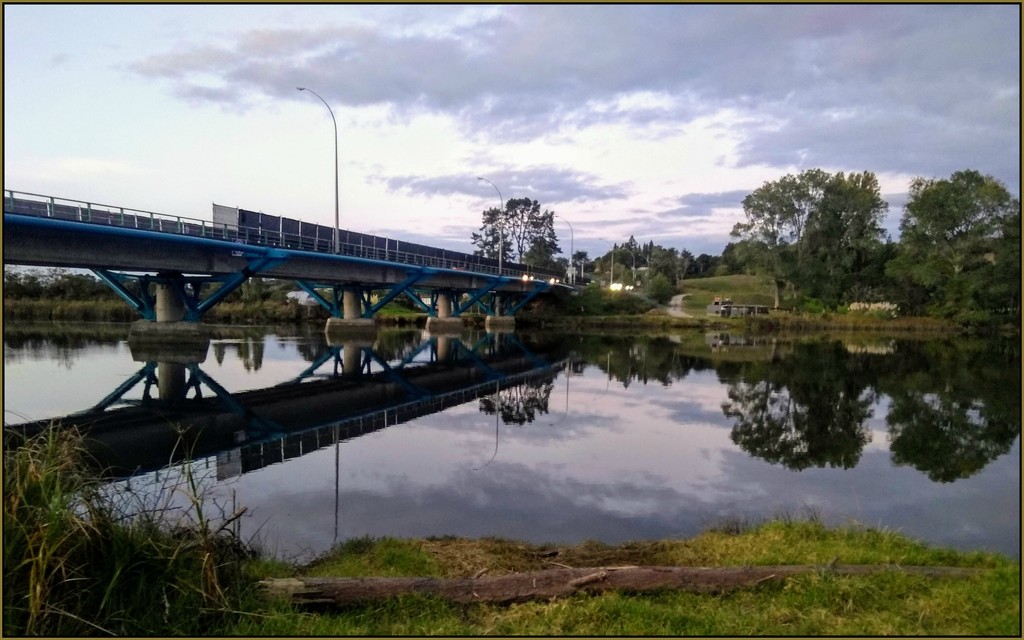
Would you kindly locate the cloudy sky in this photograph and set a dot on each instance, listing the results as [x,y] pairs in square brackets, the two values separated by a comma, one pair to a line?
[651,121]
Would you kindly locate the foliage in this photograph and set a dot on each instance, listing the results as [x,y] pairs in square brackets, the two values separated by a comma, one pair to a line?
[77,562]
[960,247]
[660,289]
[815,231]
[54,284]
[528,234]
[596,300]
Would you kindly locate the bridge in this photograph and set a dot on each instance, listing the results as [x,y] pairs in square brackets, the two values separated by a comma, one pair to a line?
[349,391]
[173,269]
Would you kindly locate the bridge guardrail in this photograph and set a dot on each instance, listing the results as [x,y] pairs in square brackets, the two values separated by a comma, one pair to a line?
[37,205]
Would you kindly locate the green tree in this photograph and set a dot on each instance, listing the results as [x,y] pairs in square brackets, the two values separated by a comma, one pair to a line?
[952,233]
[490,238]
[528,233]
[660,289]
[841,236]
[770,228]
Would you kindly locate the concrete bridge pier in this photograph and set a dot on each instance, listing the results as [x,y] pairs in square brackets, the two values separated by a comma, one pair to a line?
[352,322]
[444,320]
[170,378]
[170,324]
[169,305]
[352,358]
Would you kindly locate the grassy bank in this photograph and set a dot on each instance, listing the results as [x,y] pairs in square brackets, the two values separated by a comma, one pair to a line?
[76,564]
[814,604]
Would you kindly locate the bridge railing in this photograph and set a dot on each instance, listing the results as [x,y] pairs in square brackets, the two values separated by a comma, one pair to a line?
[33,204]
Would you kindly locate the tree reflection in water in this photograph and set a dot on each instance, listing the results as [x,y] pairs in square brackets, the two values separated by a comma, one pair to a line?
[949,410]
[950,406]
[808,409]
[955,406]
[521,404]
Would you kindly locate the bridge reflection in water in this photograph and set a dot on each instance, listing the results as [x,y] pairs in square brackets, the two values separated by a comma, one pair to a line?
[348,391]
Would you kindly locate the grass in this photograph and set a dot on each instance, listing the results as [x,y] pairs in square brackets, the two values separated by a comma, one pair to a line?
[77,562]
[742,289]
[814,604]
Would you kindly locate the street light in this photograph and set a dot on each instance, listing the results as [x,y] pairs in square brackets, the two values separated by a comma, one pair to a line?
[572,271]
[501,225]
[329,110]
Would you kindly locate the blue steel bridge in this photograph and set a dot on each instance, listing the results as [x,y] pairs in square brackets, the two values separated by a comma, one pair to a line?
[173,268]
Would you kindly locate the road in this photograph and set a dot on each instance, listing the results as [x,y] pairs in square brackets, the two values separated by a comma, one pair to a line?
[675,308]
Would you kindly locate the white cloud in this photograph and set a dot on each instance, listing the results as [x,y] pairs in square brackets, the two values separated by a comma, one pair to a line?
[612,114]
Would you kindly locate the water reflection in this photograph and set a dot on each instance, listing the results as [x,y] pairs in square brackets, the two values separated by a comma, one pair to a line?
[808,408]
[956,410]
[803,403]
[656,436]
[351,388]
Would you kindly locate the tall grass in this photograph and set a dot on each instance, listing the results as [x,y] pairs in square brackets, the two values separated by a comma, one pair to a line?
[77,562]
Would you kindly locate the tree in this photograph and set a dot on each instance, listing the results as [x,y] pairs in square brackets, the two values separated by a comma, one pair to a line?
[489,240]
[770,227]
[952,233]
[660,289]
[841,235]
[527,232]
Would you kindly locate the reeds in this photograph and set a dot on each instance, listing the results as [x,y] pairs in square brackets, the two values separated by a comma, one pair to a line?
[78,562]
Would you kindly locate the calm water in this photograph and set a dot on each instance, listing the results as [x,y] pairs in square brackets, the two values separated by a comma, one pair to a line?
[589,437]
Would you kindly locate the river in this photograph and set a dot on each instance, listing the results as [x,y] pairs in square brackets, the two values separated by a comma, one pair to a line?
[545,437]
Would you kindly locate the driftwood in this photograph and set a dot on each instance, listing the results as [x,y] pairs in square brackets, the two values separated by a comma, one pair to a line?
[554,583]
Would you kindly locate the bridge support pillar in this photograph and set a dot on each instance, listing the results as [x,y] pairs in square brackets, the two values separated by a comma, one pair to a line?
[352,321]
[350,304]
[170,378]
[352,358]
[169,305]
[444,320]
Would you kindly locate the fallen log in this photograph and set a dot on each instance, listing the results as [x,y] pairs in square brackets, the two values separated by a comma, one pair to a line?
[555,583]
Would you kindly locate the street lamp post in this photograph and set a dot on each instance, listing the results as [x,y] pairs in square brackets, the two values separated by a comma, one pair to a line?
[572,270]
[337,223]
[501,225]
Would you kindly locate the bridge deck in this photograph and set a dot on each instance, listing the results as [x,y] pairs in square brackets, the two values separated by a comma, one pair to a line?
[392,251]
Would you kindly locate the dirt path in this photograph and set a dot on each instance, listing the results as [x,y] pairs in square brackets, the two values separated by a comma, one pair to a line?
[675,308]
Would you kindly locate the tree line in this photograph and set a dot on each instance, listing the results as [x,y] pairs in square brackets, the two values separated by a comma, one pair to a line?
[818,237]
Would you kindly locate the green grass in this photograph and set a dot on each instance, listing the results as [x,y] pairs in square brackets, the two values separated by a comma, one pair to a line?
[78,563]
[741,289]
[814,604]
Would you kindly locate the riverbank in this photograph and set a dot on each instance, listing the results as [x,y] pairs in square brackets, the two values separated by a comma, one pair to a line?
[74,564]
[819,602]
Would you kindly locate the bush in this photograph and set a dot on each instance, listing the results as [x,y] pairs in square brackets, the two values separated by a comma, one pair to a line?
[660,289]
[77,563]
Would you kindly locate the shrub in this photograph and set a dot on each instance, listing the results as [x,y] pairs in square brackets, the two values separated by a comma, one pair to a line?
[78,562]
[660,289]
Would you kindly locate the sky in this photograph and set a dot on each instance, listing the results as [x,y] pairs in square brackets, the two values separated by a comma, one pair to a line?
[651,121]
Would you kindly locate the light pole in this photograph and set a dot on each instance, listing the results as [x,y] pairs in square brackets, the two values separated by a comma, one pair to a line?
[329,110]
[572,271]
[501,225]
